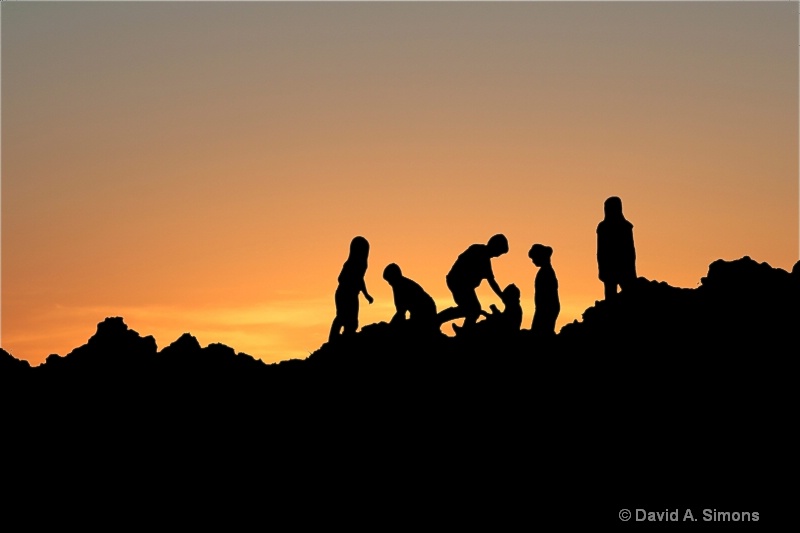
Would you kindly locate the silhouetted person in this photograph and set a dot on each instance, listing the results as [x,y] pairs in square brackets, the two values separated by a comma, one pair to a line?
[545,292]
[472,266]
[411,298]
[504,322]
[616,255]
[351,283]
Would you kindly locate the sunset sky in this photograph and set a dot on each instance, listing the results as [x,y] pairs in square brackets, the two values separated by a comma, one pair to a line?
[202,167]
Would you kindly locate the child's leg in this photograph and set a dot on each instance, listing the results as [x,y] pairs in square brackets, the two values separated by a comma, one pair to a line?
[467,300]
[344,304]
[350,326]
[349,314]
[451,313]
[336,326]
[610,289]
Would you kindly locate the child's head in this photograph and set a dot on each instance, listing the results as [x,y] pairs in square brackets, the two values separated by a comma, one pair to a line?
[392,273]
[613,206]
[540,254]
[498,245]
[359,247]
[511,294]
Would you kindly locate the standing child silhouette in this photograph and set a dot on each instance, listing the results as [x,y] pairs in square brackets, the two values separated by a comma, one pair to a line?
[351,283]
[616,255]
[545,292]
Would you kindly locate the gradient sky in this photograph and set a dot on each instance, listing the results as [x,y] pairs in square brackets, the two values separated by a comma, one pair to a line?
[202,167]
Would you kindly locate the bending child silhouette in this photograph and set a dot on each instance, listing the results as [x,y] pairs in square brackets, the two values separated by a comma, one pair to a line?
[616,255]
[351,283]
[472,266]
[410,297]
[545,292]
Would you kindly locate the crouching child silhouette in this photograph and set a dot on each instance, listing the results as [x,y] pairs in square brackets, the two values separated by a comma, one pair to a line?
[411,298]
[351,284]
[472,267]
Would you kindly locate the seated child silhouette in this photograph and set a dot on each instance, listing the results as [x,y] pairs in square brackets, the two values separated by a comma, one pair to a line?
[504,322]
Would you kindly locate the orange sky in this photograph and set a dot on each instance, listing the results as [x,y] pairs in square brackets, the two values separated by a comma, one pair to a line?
[202,167]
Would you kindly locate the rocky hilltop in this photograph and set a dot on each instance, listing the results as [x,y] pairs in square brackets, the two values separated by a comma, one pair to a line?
[740,308]
[661,393]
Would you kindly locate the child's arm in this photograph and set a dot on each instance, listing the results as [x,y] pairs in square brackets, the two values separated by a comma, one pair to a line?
[364,290]
[495,287]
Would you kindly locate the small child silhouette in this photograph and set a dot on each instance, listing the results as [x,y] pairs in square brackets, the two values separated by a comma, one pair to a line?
[502,322]
[545,292]
[351,283]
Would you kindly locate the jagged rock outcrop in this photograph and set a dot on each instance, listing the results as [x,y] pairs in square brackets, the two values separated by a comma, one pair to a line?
[740,305]
[10,364]
[186,355]
[114,347]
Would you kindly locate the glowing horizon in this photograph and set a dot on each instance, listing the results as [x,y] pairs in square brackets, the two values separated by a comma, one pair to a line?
[201,167]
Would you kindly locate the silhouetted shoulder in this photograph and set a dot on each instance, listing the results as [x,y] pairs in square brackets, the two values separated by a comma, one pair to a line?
[614,225]
[475,261]
[476,251]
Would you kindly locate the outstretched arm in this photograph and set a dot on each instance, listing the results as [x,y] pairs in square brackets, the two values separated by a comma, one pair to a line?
[495,287]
